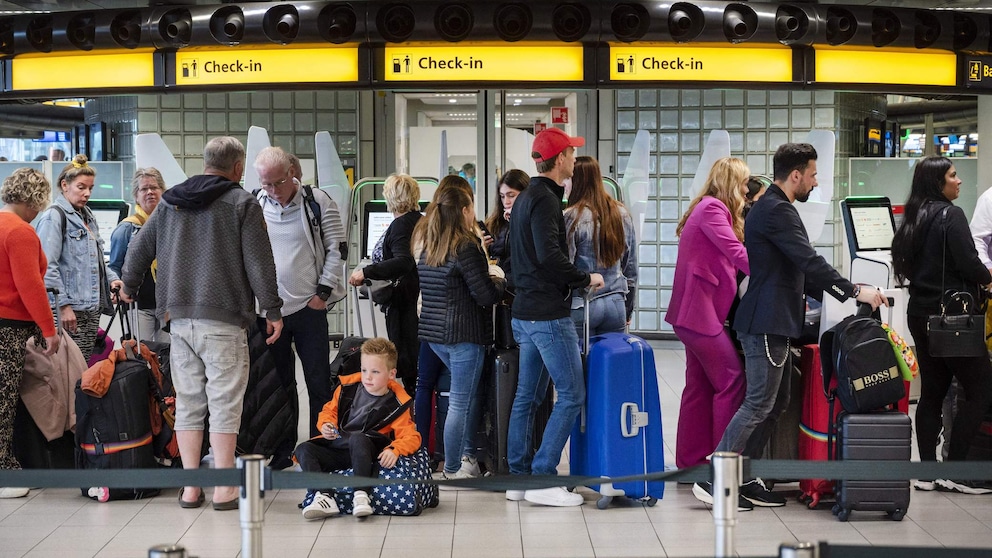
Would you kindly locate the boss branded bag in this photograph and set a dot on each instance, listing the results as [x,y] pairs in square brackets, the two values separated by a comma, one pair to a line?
[858,351]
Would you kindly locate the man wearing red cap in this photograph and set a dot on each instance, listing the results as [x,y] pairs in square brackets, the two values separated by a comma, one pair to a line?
[542,322]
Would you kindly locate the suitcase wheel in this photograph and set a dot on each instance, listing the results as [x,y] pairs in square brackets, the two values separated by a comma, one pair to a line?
[604,502]
[896,515]
[836,509]
[843,514]
[651,501]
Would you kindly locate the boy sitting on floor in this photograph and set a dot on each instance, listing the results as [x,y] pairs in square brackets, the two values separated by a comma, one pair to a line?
[366,424]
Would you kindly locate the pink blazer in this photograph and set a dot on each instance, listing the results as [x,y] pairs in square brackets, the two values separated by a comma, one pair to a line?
[706,269]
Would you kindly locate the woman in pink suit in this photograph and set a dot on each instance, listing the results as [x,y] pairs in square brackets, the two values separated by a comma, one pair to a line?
[711,250]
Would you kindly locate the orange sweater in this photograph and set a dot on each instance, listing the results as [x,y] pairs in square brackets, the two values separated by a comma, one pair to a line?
[22,274]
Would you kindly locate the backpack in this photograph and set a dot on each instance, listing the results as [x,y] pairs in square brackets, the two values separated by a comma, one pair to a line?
[858,352]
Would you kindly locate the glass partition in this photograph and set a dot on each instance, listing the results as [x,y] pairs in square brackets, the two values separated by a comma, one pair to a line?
[871,176]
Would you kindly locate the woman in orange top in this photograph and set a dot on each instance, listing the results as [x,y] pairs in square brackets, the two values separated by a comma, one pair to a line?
[24,309]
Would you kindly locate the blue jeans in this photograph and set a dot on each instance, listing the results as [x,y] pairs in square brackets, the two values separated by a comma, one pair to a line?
[429,370]
[606,314]
[766,395]
[464,360]
[552,345]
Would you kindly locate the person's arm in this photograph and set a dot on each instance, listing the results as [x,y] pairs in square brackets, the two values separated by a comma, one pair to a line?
[786,232]
[981,228]
[141,250]
[49,229]
[961,249]
[256,252]
[484,289]
[629,262]
[406,439]
[717,228]
[119,239]
[544,219]
[329,413]
[402,261]
[27,260]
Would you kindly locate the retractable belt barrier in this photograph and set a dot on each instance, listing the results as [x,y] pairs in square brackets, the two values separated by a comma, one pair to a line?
[276,480]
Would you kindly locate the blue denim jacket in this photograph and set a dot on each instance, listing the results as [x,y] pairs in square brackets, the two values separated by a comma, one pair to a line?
[75,258]
[621,277]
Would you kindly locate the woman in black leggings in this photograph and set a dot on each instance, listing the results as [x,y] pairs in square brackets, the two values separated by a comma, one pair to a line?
[934,250]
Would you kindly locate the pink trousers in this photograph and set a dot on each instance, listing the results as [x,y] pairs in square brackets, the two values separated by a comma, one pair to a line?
[714,390]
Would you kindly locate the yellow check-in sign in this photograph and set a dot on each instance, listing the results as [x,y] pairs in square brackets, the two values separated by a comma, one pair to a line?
[886,67]
[272,65]
[83,70]
[484,63]
[701,63]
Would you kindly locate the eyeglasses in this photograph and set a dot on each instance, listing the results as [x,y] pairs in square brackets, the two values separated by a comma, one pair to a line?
[148,189]
[275,184]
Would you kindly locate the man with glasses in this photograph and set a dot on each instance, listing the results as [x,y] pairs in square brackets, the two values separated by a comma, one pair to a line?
[305,231]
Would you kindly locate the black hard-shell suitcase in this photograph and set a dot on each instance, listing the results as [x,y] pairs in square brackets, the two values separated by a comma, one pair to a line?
[881,436]
[502,372]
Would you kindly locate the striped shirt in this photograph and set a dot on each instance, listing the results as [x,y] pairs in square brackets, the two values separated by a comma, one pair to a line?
[296,270]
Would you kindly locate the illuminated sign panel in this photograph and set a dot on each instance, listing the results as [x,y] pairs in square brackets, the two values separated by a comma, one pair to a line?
[886,67]
[280,65]
[484,63]
[83,71]
[979,72]
[700,63]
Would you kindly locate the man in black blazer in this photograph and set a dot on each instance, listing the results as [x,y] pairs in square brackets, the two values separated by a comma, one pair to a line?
[784,266]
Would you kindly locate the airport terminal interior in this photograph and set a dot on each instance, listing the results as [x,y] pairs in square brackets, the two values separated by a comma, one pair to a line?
[877,84]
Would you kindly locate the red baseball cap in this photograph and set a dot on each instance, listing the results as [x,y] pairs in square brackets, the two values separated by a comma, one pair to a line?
[552,141]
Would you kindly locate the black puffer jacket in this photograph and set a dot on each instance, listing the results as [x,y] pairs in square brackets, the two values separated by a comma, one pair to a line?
[457,298]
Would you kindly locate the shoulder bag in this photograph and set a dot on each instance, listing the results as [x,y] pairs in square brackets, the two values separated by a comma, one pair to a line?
[955,335]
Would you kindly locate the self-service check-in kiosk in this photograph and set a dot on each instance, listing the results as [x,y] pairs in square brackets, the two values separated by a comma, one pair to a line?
[870,227]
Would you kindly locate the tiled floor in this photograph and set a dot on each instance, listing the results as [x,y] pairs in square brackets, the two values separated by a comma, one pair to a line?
[59,523]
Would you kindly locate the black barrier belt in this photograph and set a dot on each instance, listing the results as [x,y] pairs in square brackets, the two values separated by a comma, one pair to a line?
[849,551]
[768,469]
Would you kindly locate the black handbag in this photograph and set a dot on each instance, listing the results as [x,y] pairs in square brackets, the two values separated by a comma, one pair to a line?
[955,335]
[382,290]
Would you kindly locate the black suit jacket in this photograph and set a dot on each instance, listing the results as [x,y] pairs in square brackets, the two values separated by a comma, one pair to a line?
[784,266]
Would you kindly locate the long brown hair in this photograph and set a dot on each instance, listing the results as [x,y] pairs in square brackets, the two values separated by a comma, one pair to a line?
[724,183]
[444,229]
[589,193]
[517,180]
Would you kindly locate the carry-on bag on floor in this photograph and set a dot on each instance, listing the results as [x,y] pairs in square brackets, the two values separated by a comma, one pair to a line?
[815,425]
[113,417]
[618,432]
[500,377]
[42,432]
[410,498]
[880,436]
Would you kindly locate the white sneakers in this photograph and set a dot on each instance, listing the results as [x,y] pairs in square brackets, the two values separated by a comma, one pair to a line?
[470,466]
[515,495]
[556,496]
[468,470]
[321,506]
[14,492]
[362,507]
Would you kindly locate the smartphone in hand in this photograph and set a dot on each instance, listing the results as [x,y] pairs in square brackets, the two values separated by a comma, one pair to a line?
[482,227]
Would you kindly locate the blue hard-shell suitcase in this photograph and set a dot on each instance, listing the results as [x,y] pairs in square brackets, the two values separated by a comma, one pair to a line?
[618,433]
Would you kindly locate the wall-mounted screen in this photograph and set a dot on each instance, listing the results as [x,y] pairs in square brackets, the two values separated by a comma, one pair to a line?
[108,214]
[97,141]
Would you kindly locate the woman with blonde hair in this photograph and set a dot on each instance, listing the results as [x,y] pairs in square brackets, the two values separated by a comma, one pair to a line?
[711,250]
[72,243]
[24,310]
[392,260]
[456,318]
[601,239]
[147,186]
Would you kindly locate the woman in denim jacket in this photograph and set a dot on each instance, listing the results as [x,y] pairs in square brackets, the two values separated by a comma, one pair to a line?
[601,239]
[76,266]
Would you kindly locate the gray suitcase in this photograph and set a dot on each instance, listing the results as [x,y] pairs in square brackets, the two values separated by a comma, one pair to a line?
[881,436]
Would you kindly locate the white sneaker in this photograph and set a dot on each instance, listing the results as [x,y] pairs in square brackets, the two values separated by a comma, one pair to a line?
[515,495]
[470,466]
[320,507]
[361,506]
[925,485]
[14,492]
[556,496]
[459,474]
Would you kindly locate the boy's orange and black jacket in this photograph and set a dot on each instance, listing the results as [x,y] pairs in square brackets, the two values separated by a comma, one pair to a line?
[391,418]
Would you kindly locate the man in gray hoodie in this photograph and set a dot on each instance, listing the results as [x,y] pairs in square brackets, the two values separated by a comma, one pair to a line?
[210,252]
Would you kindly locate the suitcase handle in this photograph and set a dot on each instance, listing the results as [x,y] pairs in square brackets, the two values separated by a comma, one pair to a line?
[631,420]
